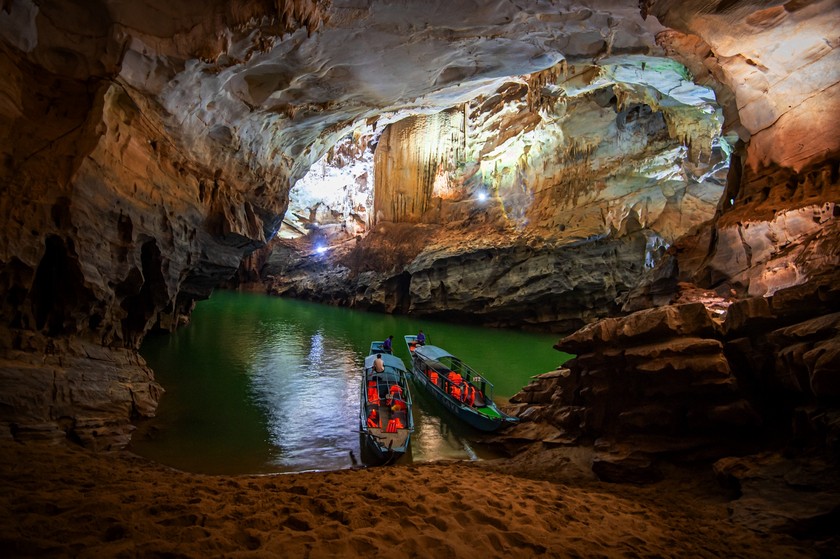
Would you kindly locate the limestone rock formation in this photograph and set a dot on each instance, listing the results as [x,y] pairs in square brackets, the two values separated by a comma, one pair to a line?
[585,179]
[689,383]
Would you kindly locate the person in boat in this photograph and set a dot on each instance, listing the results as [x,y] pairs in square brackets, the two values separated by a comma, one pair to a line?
[388,343]
[373,418]
[378,364]
[421,338]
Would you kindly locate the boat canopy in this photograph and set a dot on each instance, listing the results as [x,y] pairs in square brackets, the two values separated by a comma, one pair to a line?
[389,361]
[393,361]
[431,352]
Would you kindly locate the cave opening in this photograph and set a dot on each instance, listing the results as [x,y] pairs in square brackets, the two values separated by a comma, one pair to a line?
[142,306]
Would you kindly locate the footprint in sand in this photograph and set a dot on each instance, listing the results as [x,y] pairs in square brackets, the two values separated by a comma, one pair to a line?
[182,521]
[438,523]
[298,524]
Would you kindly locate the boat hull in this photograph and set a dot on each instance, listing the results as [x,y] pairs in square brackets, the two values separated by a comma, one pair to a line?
[467,414]
[378,453]
[480,412]
[388,437]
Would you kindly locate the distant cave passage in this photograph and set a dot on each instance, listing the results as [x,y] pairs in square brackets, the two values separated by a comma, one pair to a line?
[58,288]
[151,296]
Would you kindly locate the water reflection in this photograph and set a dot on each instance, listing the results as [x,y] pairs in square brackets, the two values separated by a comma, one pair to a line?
[258,384]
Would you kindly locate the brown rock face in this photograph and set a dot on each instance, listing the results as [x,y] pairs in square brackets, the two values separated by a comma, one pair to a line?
[109,231]
[677,382]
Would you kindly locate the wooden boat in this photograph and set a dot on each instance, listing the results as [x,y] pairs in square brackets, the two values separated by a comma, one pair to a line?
[387,432]
[379,347]
[461,390]
[411,343]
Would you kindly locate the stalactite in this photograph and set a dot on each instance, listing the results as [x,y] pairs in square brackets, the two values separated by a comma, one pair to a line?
[621,97]
[295,14]
[538,80]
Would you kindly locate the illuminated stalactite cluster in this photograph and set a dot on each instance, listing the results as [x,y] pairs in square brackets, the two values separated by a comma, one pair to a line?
[412,163]
[571,152]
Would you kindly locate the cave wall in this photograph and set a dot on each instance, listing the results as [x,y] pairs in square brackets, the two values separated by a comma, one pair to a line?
[741,352]
[776,224]
[569,153]
[111,228]
[412,162]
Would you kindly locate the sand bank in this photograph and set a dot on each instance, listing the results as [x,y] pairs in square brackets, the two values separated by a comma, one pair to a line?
[60,501]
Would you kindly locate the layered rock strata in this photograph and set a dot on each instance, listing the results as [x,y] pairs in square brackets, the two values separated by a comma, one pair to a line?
[681,383]
[498,285]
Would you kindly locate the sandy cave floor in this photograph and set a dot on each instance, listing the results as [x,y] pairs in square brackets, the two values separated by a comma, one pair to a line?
[60,501]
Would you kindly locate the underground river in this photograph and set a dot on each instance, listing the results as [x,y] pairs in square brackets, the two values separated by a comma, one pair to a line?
[259,384]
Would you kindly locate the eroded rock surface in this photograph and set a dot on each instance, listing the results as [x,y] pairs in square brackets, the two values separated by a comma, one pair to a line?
[697,383]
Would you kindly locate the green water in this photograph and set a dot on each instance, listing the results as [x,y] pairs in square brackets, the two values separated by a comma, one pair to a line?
[261,384]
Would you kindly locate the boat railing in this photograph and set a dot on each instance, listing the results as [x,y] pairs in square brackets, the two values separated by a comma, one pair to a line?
[473,377]
[468,375]
[383,387]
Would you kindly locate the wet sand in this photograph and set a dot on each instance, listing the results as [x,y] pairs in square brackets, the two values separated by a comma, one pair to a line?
[61,501]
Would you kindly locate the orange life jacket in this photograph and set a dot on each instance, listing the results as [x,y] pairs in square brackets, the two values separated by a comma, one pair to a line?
[433,376]
[373,395]
[373,419]
[472,395]
[393,425]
